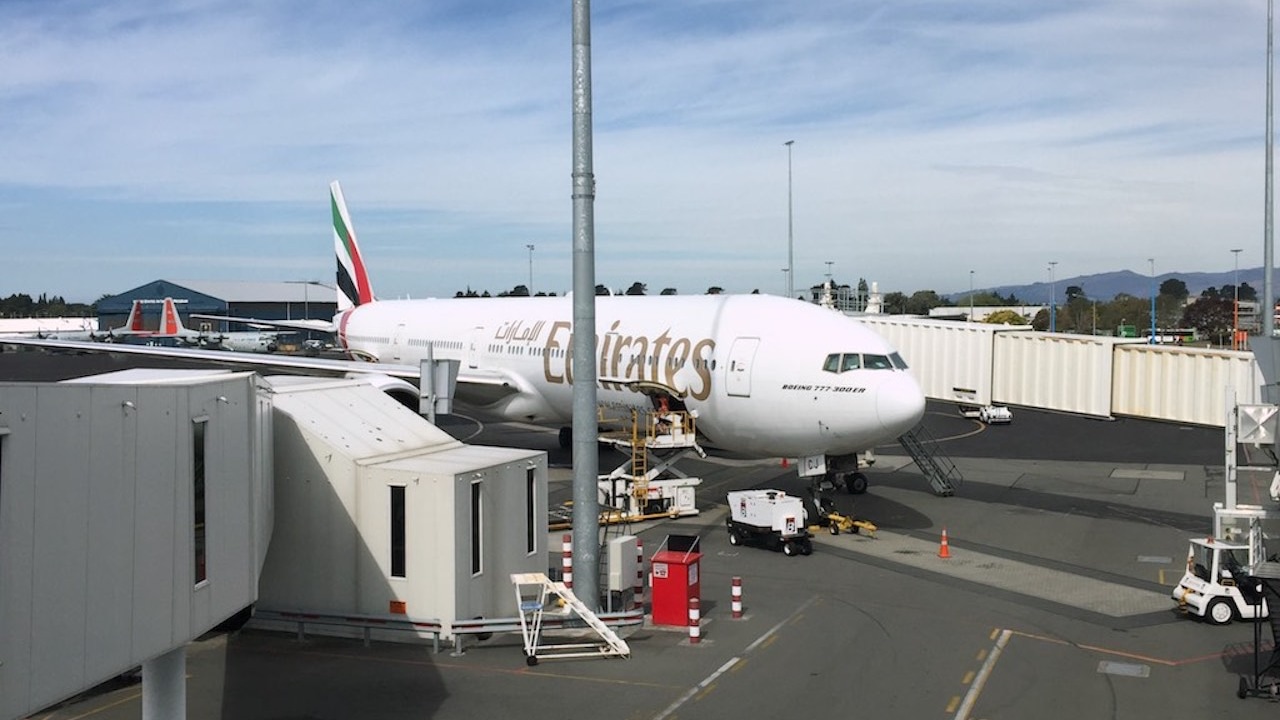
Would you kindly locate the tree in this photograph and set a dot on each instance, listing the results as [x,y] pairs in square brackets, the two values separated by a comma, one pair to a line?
[1210,316]
[895,303]
[1006,317]
[637,288]
[715,290]
[602,290]
[1075,292]
[922,301]
[1174,288]
[1248,293]
[668,291]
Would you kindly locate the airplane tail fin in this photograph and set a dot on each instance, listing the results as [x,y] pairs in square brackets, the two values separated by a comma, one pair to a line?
[353,281]
[170,323]
[134,323]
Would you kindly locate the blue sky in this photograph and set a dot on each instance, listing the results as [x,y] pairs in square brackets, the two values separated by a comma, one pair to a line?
[195,139]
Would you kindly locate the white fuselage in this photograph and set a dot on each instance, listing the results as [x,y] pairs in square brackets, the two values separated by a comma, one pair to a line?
[756,368]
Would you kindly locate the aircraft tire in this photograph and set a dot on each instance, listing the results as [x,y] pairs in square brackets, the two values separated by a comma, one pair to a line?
[856,483]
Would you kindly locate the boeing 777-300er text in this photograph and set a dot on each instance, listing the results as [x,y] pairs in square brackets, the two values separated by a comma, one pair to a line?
[765,376]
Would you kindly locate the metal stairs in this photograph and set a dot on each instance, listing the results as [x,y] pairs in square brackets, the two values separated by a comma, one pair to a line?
[533,591]
[937,467]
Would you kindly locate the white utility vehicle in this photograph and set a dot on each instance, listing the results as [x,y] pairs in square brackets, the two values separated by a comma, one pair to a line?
[771,518]
[995,414]
[1214,586]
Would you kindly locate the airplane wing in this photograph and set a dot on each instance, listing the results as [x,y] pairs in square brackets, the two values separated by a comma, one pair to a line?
[476,388]
[325,326]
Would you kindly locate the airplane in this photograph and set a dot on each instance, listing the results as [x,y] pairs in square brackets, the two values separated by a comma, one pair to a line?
[766,376]
[132,326]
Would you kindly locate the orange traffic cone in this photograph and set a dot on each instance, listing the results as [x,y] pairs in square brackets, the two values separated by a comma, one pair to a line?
[944,550]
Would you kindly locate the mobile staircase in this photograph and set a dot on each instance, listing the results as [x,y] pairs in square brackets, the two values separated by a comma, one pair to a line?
[534,597]
[936,465]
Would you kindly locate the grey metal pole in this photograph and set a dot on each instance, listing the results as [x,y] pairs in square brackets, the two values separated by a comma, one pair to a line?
[1053,299]
[530,269]
[1268,298]
[586,460]
[791,263]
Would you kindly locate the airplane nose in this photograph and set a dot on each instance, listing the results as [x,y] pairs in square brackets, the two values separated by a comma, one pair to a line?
[900,404]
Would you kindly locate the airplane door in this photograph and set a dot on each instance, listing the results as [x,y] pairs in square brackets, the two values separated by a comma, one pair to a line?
[473,347]
[738,373]
[397,343]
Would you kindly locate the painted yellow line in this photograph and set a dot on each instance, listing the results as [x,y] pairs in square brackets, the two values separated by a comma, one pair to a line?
[982,655]
[955,701]
[971,697]
[995,633]
[968,678]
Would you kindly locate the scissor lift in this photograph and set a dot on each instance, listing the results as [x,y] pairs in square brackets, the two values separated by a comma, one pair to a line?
[534,593]
[634,488]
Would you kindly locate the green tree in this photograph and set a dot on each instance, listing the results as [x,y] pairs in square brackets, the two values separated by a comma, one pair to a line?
[1005,317]
[922,301]
[1210,316]
[637,288]
[715,290]
[1174,288]
[668,291]
[895,303]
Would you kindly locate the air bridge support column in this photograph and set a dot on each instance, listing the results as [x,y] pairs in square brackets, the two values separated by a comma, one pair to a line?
[164,686]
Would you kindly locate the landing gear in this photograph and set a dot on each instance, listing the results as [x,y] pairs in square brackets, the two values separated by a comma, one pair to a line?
[855,483]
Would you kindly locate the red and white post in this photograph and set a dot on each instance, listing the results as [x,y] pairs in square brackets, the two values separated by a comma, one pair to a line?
[695,617]
[737,598]
[638,590]
[566,562]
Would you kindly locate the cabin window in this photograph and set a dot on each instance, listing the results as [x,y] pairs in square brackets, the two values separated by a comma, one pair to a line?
[476,530]
[398,551]
[851,361]
[199,538]
[898,362]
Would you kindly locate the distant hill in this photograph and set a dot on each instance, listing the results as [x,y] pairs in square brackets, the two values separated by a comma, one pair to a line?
[1105,286]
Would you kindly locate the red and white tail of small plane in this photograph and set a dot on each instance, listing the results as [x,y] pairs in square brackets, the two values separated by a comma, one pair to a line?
[170,322]
[134,323]
[353,279]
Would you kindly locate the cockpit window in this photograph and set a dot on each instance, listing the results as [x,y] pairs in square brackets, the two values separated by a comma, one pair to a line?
[851,361]
[832,365]
[898,362]
[876,362]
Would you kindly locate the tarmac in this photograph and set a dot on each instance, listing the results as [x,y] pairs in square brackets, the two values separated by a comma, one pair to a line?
[1064,541]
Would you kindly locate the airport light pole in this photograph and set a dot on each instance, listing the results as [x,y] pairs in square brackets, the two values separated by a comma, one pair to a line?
[791,263]
[530,269]
[1053,299]
[786,282]
[829,264]
[1235,307]
[970,296]
[1153,299]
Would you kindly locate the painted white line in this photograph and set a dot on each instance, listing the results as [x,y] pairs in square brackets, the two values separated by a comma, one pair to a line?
[732,661]
[979,682]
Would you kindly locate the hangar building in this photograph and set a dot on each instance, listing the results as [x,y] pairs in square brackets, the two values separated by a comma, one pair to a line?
[266,300]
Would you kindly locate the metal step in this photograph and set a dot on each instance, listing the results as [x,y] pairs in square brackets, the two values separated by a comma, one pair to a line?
[937,467]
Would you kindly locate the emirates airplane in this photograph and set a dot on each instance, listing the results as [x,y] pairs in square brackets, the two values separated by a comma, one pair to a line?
[765,376]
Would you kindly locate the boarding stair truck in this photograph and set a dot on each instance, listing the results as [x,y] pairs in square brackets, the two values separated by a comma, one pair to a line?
[770,518]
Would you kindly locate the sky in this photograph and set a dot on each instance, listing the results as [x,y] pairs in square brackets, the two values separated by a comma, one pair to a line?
[196,139]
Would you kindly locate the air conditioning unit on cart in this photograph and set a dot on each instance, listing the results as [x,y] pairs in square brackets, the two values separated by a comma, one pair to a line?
[769,518]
